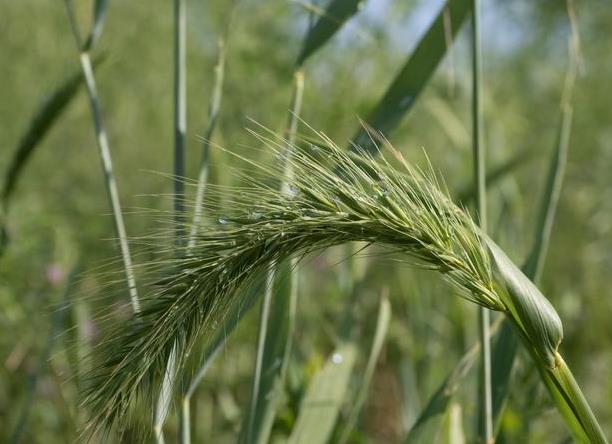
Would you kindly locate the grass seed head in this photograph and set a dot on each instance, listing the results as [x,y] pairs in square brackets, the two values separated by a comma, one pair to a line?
[335,196]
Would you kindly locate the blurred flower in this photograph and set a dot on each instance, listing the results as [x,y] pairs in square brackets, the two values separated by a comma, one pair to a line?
[55,274]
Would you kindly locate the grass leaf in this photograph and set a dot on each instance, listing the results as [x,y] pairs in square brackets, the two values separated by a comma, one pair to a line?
[382,326]
[324,397]
[337,13]
[428,424]
[46,115]
[414,75]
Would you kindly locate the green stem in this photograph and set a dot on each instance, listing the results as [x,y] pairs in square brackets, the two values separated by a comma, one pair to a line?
[256,430]
[564,377]
[180,114]
[486,419]
[261,345]
[215,104]
[105,156]
[180,128]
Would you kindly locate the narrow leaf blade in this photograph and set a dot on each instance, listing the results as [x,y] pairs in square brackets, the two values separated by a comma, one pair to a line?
[414,76]
[382,326]
[321,405]
[261,416]
[338,12]
[428,423]
[47,114]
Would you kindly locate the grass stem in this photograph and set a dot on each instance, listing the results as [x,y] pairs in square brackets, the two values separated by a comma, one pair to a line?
[105,155]
[257,431]
[180,129]
[180,114]
[215,104]
[486,411]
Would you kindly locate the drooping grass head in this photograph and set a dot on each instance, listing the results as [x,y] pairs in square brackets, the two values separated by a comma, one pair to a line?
[334,196]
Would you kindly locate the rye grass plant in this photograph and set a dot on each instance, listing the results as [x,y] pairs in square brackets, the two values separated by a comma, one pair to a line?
[237,246]
[335,197]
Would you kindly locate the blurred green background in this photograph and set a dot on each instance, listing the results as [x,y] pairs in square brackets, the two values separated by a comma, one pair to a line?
[59,216]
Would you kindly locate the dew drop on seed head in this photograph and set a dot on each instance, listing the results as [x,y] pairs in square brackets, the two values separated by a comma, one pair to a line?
[337,358]
[293,190]
[223,221]
[255,215]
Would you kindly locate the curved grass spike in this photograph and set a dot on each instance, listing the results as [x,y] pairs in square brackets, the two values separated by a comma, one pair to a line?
[405,211]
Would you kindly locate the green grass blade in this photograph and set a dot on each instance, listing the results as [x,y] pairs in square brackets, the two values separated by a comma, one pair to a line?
[504,349]
[428,423]
[552,192]
[382,326]
[162,407]
[321,404]
[452,429]
[99,16]
[180,113]
[46,115]
[55,329]
[337,13]
[574,399]
[414,75]
[275,329]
